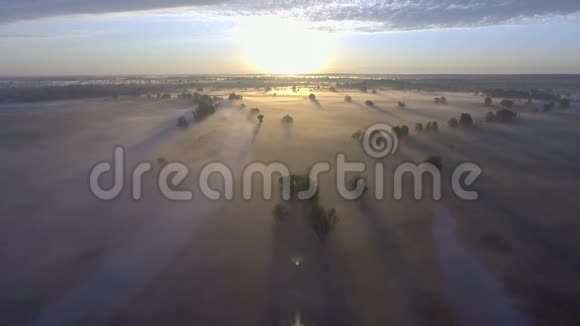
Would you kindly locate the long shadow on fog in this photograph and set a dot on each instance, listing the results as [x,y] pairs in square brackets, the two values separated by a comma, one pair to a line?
[315,287]
[420,307]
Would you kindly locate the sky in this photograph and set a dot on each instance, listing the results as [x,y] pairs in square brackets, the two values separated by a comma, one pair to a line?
[82,37]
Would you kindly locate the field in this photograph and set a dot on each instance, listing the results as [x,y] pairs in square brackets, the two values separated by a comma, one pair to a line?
[509,257]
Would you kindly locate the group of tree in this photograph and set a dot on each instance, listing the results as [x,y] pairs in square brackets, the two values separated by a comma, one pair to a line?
[440,100]
[235,97]
[401,131]
[429,126]
[465,121]
[206,105]
[503,115]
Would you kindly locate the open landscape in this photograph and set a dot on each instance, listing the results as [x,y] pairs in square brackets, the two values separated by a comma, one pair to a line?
[289,163]
[509,257]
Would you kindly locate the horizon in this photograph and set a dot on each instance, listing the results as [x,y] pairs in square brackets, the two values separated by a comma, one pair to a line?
[267,38]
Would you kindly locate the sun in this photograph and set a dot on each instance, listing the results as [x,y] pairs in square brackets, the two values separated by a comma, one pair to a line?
[276,46]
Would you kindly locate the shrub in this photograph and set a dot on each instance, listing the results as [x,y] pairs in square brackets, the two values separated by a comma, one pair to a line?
[280,211]
[332,89]
[508,104]
[254,111]
[465,120]
[363,89]
[401,104]
[369,103]
[243,106]
[453,123]
[488,101]
[505,115]
[312,97]
[199,89]
[435,160]
[348,99]
[357,135]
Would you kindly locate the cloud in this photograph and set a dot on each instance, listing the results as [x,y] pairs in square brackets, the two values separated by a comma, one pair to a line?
[359,15]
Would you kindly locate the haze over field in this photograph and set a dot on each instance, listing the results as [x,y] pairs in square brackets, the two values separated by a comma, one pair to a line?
[129,131]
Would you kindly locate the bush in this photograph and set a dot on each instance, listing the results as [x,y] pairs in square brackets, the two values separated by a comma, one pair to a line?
[332,89]
[312,97]
[488,101]
[348,99]
[401,104]
[508,104]
[435,160]
[453,123]
[505,115]
[358,135]
[254,111]
[490,117]
[280,211]
[465,120]
[369,103]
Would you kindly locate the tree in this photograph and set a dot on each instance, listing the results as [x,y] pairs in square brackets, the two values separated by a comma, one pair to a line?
[508,104]
[401,104]
[369,103]
[312,97]
[234,97]
[437,100]
[348,99]
[332,89]
[490,117]
[255,111]
[453,123]
[182,122]
[505,115]
[488,101]
[443,100]
[261,118]
[465,120]
[287,120]
[401,131]
[434,126]
[199,89]
[418,127]
[428,126]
